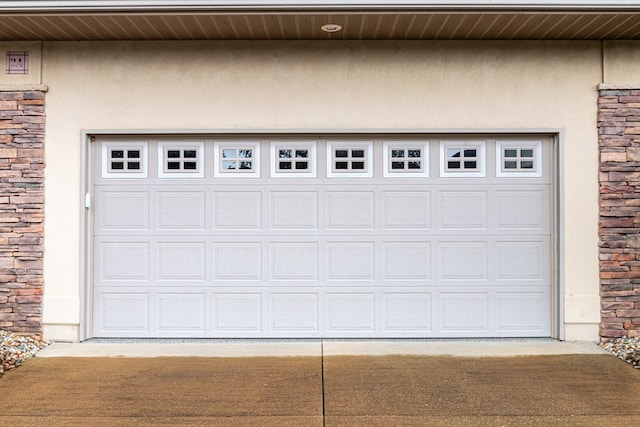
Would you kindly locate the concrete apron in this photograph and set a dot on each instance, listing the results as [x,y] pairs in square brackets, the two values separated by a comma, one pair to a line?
[267,348]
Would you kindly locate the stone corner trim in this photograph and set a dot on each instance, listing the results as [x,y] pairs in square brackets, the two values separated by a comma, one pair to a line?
[23,88]
[619,86]
[619,225]
[22,120]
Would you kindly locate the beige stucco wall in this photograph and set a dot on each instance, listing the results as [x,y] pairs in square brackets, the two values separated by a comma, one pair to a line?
[461,86]
[621,61]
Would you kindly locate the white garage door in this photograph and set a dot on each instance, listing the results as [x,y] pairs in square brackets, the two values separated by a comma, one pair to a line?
[313,237]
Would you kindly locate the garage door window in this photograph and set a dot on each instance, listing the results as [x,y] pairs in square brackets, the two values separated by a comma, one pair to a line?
[180,160]
[237,159]
[349,159]
[462,158]
[405,159]
[124,160]
[518,158]
[293,159]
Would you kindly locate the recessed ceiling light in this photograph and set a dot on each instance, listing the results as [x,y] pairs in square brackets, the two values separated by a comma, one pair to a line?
[331,28]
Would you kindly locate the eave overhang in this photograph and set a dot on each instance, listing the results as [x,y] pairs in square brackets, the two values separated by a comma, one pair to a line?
[302,20]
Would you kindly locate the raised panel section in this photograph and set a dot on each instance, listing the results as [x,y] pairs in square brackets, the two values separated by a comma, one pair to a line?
[465,312]
[463,260]
[350,261]
[125,261]
[407,312]
[522,311]
[237,210]
[463,210]
[124,210]
[294,261]
[407,210]
[181,312]
[125,312]
[407,261]
[238,261]
[294,210]
[238,312]
[181,261]
[520,260]
[522,210]
[351,312]
[294,312]
[350,210]
[183,210]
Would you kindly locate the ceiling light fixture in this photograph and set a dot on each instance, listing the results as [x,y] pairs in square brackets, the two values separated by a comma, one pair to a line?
[331,28]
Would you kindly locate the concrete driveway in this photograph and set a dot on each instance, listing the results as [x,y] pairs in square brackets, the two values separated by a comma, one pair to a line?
[576,386]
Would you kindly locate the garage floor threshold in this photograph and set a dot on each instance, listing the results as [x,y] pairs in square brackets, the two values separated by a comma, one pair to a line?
[283,348]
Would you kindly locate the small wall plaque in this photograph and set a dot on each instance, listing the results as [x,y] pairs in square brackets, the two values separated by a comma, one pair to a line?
[17,63]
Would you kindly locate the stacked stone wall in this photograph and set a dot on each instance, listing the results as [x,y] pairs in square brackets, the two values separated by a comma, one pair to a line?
[22,119]
[619,227]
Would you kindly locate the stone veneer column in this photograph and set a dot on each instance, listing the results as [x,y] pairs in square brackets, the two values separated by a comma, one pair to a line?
[619,227]
[22,120]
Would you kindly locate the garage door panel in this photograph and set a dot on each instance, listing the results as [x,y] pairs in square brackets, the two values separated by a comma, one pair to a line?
[350,261]
[409,261]
[463,210]
[122,261]
[238,210]
[463,260]
[350,210]
[181,210]
[181,261]
[409,311]
[350,312]
[237,261]
[123,210]
[294,312]
[522,260]
[523,311]
[294,210]
[466,312]
[523,210]
[238,312]
[183,313]
[123,313]
[297,261]
[407,210]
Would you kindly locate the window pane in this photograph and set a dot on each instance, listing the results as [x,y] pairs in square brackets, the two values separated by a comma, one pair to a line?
[453,165]
[133,154]
[284,154]
[302,154]
[414,153]
[526,153]
[189,154]
[453,152]
[511,153]
[470,153]
[229,153]
[470,165]
[173,154]
[245,165]
[117,154]
[190,165]
[397,153]
[342,153]
[415,165]
[117,165]
[228,164]
[245,154]
[285,165]
[357,153]
[133,165]
[302,165]
[526,164]
[342,165]
[357,165]
[173,165]
[511,165]
[397,165]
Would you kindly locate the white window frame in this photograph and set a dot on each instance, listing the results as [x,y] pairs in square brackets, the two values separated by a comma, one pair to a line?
[479,145]
[535,145]
[387,172]
[219,172]
[367,146]
[125,173]
[181,173]
[310,172]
